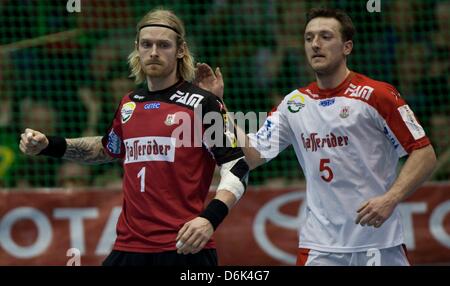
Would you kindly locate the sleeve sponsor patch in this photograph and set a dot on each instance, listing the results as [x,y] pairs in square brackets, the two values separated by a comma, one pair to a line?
[113,143]
[408,117]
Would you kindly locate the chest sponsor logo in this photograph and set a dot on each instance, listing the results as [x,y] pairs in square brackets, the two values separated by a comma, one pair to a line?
[313,142]
[153,105]
[295,103]
[327,102]
[408,117]
[363,92]
[345,112]
[186,98]
[113,143]
[151,148]
[127,111]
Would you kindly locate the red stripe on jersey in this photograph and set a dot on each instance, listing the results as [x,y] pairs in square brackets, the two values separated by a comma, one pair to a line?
[383,97]
[302,256]
[406,253]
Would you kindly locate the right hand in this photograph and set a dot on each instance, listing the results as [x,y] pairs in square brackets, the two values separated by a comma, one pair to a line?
[209,80]
[32,142]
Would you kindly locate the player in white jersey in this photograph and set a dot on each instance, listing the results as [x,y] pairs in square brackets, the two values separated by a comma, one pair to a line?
[348,132]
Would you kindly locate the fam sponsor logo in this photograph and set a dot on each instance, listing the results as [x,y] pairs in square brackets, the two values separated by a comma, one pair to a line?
[327,102]
[186,98]
[151,148]
[295,103]
[127,111]
[363,92]
[313,142]
[113,142]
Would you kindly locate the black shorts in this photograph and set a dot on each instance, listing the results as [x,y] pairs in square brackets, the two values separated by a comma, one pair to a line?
[206,257]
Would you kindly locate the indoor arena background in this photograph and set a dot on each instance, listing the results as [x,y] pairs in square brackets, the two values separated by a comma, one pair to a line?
[63,71]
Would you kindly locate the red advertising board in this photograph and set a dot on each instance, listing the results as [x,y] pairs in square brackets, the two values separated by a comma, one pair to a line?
[45,227]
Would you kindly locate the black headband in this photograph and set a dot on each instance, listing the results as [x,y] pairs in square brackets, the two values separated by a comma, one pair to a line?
[160,25]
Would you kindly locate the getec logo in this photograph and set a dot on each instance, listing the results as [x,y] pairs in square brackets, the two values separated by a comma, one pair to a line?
[153,105]
[327,102]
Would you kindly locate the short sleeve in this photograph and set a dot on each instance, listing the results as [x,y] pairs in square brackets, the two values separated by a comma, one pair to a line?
[398,121]
[113,141]
[273,136]
[219,134]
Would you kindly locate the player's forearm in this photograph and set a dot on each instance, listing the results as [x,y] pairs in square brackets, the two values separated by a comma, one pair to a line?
[226,197]
[417,169]
[252,156]
[88,150]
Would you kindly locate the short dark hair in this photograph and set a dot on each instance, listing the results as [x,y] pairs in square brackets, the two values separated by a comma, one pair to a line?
[347,29]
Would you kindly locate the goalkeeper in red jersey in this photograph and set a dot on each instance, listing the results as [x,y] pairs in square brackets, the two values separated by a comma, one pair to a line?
[165,184]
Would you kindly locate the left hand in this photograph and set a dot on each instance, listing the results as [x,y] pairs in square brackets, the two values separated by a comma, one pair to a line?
[194,235]
[375,211]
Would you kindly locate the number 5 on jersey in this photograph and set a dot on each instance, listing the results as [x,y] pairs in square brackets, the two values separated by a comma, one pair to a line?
[326,170]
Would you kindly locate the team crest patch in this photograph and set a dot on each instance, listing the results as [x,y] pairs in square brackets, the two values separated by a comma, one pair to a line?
[170,120]
[127,111]
[295,103]
[345,112]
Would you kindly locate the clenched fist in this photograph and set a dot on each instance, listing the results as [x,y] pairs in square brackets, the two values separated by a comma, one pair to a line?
[32,142]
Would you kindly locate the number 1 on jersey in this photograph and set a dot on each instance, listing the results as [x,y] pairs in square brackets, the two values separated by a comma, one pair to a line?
[141,175]
[328,176]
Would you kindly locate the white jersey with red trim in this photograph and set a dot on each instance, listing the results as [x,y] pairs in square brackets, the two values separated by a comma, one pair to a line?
[347,141]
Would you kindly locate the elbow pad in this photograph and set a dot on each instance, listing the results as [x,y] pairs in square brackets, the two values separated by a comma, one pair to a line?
[234,177]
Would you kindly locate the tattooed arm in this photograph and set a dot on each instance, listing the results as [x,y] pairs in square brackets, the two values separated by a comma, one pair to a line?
[88,150]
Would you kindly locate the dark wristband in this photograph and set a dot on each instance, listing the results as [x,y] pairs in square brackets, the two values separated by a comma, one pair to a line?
[215,212]
[56,147]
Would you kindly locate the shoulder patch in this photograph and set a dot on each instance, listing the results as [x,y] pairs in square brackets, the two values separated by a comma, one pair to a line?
[127,111]
[295,102]
[408,117]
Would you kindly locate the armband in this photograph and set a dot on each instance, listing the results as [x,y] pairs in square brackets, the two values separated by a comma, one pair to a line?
[215,212]
[56,147]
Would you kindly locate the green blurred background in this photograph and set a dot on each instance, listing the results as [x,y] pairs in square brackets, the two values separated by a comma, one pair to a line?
[71,86]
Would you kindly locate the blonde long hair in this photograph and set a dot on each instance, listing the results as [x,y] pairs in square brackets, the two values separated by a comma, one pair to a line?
[185,67]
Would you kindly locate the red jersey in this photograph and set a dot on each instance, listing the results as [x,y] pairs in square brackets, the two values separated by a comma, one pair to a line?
[165,183]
